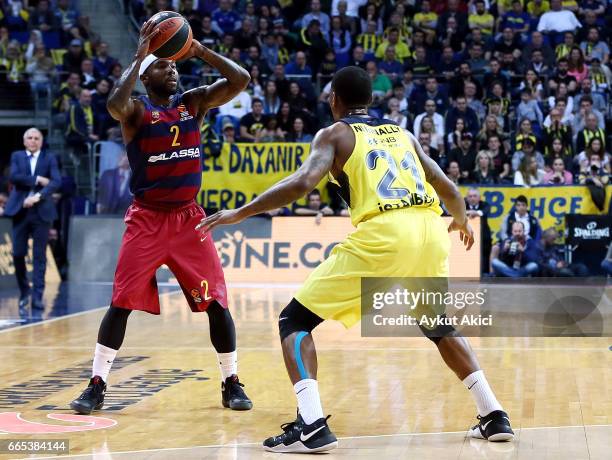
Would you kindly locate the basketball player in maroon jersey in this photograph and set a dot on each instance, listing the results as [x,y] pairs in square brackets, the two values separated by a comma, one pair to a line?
[161,132]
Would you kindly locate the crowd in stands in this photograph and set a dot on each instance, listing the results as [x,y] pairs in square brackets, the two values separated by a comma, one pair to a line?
[497,91]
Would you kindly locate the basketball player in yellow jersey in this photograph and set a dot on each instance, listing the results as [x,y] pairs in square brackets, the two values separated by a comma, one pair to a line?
[392,189]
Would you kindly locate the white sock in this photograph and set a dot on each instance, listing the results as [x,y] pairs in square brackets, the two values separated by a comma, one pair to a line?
[309,401]
[103,361]
[228,364]
[486,402]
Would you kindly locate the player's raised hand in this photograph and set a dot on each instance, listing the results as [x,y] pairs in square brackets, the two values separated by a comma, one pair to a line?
[225,217]
[147,31]
[466,234]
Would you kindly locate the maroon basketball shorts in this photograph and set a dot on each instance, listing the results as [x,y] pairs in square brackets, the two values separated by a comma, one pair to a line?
[154,237]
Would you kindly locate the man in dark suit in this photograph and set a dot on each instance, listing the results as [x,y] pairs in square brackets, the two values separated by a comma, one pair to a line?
[35,177]
[475,207]
[114,196]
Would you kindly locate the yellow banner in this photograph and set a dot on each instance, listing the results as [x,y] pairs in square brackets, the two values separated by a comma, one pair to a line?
[548,204]
[243,171]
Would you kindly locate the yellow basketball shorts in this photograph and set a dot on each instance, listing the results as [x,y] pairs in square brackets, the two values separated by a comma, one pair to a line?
[399,243]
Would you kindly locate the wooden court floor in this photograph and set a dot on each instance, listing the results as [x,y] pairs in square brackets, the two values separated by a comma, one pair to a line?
[389,398]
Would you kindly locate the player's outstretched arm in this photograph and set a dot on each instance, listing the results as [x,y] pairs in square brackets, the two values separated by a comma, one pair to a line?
[120,104]
[235,79]
[291,188]
[449,194]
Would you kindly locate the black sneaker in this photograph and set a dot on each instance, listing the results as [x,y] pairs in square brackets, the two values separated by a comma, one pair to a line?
[92,398]
[233,396]
[493,427]
[302,438]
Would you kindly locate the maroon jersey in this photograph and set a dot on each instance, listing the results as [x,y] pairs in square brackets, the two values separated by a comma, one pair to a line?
[165,154]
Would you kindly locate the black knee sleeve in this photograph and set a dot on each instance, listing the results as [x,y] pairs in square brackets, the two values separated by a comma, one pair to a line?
[296,317]
[112,328]
[439,332]
[222,329]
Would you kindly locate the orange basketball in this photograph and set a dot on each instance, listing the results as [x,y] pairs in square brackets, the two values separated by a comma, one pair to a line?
[174,36]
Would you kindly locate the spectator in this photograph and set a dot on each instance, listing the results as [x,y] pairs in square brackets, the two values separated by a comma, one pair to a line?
[437,141]
[255,86]
[394,114]
[224,19]
[496,74]
[271,101]
[563,49]
[516,256]
[557,21]
[557,149]
[271,132]
[358,57]
[557,175]
[252,123]
[299,65]
[595,177]
[566,117]
[484,174]
[594,147]
[340,41]
[89,76]
[237,107]
[554,128]
[517,19]
[246,35]
[561,76]
[458,17]
[99,97]
[116,72]
[316,14]
[103,63]
[35,176]
[470,90]
[585,112]
[390,66]
[462,110]
[499,159]
[381,85]
[447,65]
[13,64]
[525,131]
[586,90]
[457,84]
[527,150]
[537,64]
[40,69]
[298,101]
[491,127]
[329,65]
[576,65]
[297,132]
[82,124]
[539,44]
[74,56]
[465,155]
[42,18]
[593,47]
[314,206]
[432,91]
[509,42]
[206,34]
[228,131]
[520,213]
[370,40]
[475,207]
[529,109]
[114,196]
[402,52]
[430,111]
[453,173]
[3,200]
[528,173]
[284,118]
[562,94]
[426,19]
[481,19]
[552,259]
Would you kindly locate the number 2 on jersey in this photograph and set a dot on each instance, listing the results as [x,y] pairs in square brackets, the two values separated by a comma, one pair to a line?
[175,129]
[385,189]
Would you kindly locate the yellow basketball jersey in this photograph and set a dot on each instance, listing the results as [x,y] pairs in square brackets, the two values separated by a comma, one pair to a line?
[384,172]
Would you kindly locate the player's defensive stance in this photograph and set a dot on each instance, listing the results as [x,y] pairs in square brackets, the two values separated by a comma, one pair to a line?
[162,137]
[377,164]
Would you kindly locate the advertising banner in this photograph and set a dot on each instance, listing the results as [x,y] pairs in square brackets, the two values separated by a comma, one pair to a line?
[243,171]
[548,204]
